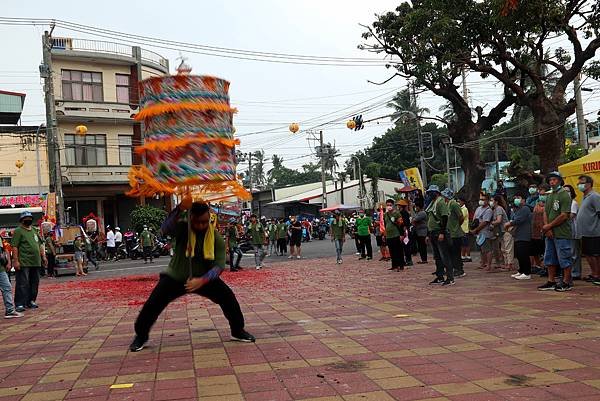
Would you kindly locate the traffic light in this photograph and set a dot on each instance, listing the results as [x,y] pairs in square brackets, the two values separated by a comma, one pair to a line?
[358,121]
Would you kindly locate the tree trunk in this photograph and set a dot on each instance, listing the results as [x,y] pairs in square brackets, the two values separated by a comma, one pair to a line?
[549,130]
[472,165]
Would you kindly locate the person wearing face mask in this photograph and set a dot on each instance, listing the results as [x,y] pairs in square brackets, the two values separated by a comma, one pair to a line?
[558,234]
[521,222]
[394,235]
[538,245]
[455,220]
[481,229]
[588,226]
[29,255]
[533,196]
[419,222]
[364,227]
[505,238]
[437,224]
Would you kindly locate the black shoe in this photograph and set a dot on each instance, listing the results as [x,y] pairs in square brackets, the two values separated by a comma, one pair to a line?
[549,286]
[369,258]
[409,263]
[32,305]
[393,268]
[576,278]
[243,337]
[448,282]
[433,273]
[590,279]
[459,274]
[596,281]
[562,287]
[361,258]
[20,309]
[437,281]
[233,269]
[137,344]
[97,267]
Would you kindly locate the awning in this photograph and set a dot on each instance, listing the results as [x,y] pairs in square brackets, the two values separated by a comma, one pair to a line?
[340,207]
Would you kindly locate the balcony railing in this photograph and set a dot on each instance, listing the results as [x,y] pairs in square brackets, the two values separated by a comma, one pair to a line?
[98,46]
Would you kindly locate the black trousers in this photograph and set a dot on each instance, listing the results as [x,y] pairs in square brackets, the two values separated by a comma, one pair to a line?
[396,248]
[441,255]
[365,245]
[26,285]
[422,245]
[167,290]
[90,255]
[408,249]
[148,253]
[51,264]
[455,255]
[522,252]
[282,245]
[235,256]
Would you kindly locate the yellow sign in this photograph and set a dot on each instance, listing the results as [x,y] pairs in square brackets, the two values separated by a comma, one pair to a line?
[51,205]
[413,175]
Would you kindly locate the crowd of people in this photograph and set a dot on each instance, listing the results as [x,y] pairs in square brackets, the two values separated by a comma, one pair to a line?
[543,232]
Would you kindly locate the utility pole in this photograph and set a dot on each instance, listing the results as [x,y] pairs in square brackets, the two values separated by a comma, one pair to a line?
[37,158]
[250,181]
[51,132]
[464,84]
[497,162]
[323,182]
[581,128]
[420,140]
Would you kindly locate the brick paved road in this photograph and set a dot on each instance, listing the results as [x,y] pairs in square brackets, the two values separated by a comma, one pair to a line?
[325,332]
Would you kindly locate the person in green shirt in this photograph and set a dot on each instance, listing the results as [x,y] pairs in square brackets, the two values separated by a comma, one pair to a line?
[395,233]
[338,229]
[557,230]
[272,230]
[363,227]
[147,239]
[455,220]
[258,235]
[29,255]
[235,253]
[282,236]
[193,271]
[437,224]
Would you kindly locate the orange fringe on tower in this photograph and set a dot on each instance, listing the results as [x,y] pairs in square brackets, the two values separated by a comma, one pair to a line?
[163,108]
[173,143]
[144,184]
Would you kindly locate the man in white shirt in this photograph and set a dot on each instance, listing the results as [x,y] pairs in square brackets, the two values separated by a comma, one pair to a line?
[110,243]
[118,238]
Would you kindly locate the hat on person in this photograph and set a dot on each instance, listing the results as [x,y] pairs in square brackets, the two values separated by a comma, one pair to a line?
[555,174]
[402,202]
[433,188]
[448,193]
[25,214]
[117,228]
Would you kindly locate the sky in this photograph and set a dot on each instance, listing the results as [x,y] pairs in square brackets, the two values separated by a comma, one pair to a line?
[269,96]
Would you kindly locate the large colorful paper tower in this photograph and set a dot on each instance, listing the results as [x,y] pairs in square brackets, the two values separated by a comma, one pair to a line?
[189,143]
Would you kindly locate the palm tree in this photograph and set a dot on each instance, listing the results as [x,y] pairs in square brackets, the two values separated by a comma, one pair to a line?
[403,102]
[277,166]
[331,163]
[258,169]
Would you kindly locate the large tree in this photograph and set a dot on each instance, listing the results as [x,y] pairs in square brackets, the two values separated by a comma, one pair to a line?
[428,37]
[514,48]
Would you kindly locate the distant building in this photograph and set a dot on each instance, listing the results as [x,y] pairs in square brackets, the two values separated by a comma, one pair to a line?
[96,85]
[24,172]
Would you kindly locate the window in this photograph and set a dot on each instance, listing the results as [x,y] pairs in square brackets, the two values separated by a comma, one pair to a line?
[88,150]
[5,181]
[125,150]
[122,88]
[82,85]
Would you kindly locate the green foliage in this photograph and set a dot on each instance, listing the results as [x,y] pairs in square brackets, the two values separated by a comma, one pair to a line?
[373,170]
[441,180]
[574,152]
[281,176]
[397,150]
[147,215]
